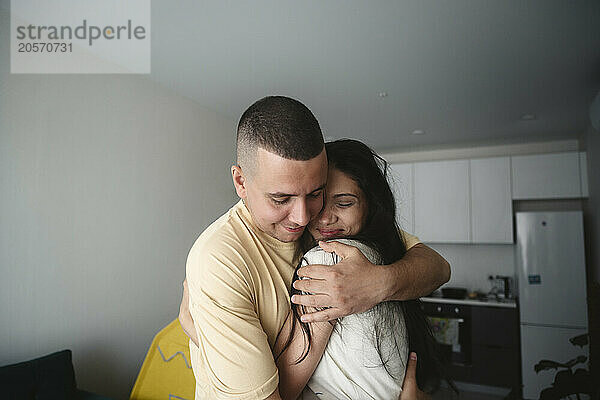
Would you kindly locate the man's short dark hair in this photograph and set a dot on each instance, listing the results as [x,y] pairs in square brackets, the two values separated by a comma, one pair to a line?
[280,125]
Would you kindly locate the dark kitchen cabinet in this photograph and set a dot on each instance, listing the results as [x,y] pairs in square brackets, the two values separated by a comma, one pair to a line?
[495,327]
[495,339]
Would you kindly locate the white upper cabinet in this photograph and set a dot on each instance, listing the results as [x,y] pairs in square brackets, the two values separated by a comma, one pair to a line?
[491,202]
[401,181]
[546,176]
[470,201]
[441,205]
[584,175]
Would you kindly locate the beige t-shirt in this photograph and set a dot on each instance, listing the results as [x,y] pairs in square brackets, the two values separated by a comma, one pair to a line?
[239,279]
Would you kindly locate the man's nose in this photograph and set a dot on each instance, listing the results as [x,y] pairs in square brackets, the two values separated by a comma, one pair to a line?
[300,214]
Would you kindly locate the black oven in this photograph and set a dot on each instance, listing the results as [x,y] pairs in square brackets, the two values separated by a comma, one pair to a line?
[447,322]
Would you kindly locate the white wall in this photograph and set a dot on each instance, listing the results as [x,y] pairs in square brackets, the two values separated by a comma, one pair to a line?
[449,152]
[472,263]
[106,181]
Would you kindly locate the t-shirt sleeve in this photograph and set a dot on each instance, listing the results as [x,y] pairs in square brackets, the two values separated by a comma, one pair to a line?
[233,348]
[409,240]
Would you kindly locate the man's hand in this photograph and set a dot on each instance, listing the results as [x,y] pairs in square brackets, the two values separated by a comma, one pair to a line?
[410,389]
[185,317]
[355,285]
[352,286]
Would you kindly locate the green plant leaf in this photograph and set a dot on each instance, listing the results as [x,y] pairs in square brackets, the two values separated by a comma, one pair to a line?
[544,365]
[563,378]
[580,340]
[575,361]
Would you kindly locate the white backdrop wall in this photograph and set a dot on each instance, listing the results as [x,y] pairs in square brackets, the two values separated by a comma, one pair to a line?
[472,263]
[106,181]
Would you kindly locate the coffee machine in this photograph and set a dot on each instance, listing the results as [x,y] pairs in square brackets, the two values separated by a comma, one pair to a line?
[502,286]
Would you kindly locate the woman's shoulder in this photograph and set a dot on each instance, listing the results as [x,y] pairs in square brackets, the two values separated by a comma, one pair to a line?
[317,255]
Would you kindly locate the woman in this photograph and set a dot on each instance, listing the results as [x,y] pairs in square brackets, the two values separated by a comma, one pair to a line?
[364,355]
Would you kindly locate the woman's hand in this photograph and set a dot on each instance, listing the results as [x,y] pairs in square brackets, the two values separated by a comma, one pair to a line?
[410,389]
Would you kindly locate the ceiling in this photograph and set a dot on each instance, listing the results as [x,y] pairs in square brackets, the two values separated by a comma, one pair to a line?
[463,71]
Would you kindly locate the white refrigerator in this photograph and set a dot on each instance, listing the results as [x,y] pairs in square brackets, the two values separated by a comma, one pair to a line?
[552,292]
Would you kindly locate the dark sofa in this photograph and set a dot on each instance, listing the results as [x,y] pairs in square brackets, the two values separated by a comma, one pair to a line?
[46,378]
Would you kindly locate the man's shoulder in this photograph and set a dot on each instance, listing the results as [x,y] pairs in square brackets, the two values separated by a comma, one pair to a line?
[227,234]
[219,254]
[222,228]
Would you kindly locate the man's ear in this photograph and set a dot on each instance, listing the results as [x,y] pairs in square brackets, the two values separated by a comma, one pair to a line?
[239,181]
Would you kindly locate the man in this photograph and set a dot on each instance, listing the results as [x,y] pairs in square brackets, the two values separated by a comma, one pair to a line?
[240,268]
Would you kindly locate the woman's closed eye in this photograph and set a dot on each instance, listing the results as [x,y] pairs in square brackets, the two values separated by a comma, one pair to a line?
[345,200]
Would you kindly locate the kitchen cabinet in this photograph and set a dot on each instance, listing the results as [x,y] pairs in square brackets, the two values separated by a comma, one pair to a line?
[496,357]
[402,185]
[496,347]
[491,202]
[459,201]
[470,201]
[546,176]
[442,204]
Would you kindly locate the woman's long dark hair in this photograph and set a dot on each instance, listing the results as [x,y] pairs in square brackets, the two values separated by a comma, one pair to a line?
[381,232]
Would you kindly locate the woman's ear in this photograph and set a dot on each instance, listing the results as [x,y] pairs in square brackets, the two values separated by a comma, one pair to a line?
[239,181]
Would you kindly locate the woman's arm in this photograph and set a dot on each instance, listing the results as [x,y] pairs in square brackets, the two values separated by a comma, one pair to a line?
[294,376]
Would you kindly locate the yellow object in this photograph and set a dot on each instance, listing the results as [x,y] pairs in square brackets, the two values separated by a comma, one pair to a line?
[167,370]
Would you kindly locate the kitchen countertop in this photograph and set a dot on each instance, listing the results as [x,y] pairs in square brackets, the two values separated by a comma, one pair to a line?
[511,303]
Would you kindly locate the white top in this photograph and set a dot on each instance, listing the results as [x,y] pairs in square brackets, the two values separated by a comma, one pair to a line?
[351,367]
